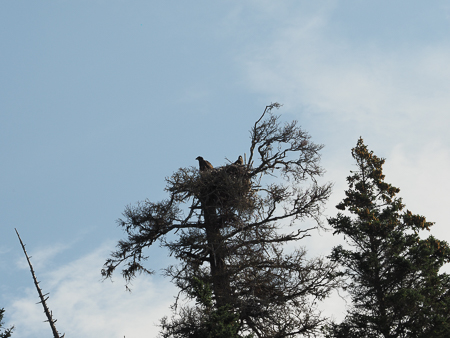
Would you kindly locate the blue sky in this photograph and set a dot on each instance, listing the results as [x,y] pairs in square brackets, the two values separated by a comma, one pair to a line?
[101,100]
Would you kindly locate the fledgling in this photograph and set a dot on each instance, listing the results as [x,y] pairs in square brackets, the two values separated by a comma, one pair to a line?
[203,164]
[240,161]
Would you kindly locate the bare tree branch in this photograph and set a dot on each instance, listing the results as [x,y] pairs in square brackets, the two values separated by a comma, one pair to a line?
[42,297]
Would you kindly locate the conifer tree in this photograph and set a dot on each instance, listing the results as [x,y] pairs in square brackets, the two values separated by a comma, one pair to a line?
[205,321]
[228,227]
[393,271]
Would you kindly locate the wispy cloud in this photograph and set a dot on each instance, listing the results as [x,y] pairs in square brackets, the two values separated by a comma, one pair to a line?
[42,256]
[87,307]
[423,182]
[400,88]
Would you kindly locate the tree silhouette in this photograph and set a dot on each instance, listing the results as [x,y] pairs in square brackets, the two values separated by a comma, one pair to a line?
[394,279]
[229,228]
[7,332]
[43,297]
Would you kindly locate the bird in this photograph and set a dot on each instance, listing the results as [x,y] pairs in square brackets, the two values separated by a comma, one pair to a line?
[203,164]
[239,161]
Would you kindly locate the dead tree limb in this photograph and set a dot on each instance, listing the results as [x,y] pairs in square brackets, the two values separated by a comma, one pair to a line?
[43,297]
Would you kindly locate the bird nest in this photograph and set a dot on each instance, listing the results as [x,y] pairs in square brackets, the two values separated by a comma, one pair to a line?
[226,188]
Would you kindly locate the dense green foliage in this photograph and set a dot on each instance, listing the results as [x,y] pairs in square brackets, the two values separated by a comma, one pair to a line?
[393,272]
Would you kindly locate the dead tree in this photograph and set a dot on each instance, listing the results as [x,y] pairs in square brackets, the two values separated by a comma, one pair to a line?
[42,297]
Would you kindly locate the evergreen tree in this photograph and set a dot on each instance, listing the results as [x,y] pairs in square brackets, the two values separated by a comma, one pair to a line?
[228,229]
[204,321]
[393,272]
[7,332]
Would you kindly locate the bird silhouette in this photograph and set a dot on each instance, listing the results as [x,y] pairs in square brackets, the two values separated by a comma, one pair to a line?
[203,164]
[240,160]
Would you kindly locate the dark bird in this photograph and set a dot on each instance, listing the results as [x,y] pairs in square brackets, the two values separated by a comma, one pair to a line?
[239,161]
[203,164]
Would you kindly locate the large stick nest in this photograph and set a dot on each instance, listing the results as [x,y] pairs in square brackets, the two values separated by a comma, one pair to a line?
[226,188]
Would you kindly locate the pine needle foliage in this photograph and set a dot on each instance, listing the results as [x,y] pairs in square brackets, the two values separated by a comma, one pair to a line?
[393,272]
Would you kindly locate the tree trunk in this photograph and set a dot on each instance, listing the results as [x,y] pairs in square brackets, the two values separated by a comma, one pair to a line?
[217,253]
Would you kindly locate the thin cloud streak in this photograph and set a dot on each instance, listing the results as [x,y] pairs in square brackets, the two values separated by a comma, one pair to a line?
[85,306]
[307,65]
[42,256]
